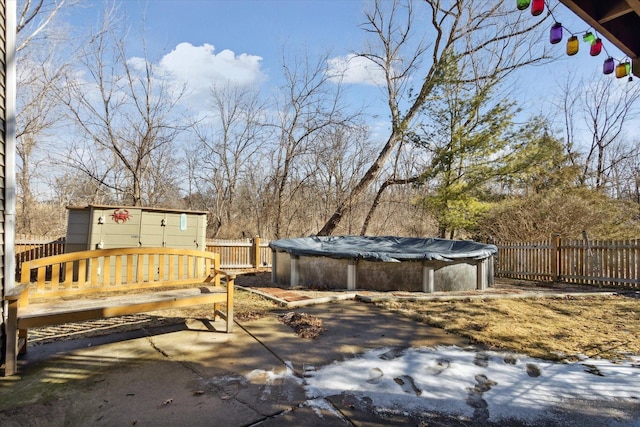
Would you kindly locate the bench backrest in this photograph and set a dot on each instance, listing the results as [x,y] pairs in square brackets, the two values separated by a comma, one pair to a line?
[105,270]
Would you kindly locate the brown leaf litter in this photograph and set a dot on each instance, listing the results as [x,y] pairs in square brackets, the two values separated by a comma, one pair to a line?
[305,325]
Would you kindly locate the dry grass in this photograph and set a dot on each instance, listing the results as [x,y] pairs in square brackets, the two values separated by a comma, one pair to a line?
[555,329]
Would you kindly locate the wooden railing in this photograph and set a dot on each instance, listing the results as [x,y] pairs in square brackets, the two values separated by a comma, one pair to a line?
[242,253]
[597,262]
[28,247]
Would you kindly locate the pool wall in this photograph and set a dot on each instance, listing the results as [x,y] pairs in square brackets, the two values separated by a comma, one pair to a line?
[323,272]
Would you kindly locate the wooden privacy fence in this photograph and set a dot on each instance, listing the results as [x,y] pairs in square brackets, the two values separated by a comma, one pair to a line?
[242,253]
[597,262]
[602,263]
[28,247]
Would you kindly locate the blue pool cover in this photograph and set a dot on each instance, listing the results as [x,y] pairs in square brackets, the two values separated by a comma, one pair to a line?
[385,248]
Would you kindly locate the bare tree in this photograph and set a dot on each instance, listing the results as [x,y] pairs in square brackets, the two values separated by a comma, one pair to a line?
[127,110]
[607,108]
[230,143]
[338,164]
[623,173]
[484,39]
[38,114]
[310,109]
[35,18]
[568,107]
[254,203]
[39,74]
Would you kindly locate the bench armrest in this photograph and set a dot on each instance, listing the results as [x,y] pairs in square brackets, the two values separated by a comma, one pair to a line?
[229,276]
[14,293]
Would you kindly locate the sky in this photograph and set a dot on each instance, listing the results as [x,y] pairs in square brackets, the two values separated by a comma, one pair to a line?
[465,382]
[244,40]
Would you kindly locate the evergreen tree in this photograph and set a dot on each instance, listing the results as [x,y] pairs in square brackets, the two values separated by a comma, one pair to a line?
[472,142]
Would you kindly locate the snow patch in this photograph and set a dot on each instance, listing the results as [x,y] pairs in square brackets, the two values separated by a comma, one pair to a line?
[457,381]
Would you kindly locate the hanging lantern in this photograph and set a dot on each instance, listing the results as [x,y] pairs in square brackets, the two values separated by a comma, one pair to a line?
[555,34]
[523,4]
[589,37]
[596,48]
[537,7]
[621,70]
[628,67]
[572,45]
[608,66]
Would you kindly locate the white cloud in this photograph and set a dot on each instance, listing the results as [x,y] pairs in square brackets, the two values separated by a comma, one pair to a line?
[137,63]
[355,69]
[200,67]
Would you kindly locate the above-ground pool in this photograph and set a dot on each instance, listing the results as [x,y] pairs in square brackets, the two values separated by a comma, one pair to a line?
[382,263]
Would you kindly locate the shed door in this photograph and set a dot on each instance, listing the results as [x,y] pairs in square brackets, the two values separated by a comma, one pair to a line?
[152,230]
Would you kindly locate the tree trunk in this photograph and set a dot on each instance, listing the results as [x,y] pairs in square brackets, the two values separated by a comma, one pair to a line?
[358,191]
[376,201]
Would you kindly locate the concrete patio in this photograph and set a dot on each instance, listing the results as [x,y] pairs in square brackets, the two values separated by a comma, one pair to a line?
[190,374]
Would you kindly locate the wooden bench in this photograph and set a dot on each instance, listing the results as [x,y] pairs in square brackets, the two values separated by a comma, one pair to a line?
[104,283]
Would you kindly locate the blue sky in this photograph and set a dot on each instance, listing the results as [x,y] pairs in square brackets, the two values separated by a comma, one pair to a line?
[251,27]
[256,27]
[242,40]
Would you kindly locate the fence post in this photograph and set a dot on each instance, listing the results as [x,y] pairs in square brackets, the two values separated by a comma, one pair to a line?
[555,257]
[256,252]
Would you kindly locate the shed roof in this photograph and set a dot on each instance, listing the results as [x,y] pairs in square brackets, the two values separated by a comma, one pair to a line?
[144,208]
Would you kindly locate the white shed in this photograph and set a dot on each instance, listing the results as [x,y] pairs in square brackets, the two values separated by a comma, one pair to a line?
[106,227]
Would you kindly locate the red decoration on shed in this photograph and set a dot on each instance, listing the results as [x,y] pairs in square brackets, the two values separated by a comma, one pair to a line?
[121,216]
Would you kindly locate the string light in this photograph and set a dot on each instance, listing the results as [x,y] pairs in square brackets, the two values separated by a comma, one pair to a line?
[608,66]
[572,45]
[596,48]
[622,69]
[523,4]
[589,37]
[537,7]
[555,35]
